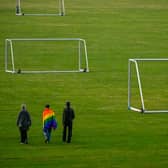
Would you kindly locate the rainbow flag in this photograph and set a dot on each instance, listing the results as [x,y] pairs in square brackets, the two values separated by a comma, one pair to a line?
[49,119]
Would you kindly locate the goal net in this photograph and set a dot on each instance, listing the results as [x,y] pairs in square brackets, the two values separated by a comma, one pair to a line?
[46,55]
[147,85]
[40,7]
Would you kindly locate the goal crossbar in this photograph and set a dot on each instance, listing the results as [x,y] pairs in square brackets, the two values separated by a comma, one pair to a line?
[9,46]
[130,106]
[61,6]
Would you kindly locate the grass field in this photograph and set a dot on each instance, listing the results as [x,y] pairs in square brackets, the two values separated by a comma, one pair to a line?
[105,133]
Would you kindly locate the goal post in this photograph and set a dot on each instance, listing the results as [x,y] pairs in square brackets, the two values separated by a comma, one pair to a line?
[46,55]
[134,65]
[59,8]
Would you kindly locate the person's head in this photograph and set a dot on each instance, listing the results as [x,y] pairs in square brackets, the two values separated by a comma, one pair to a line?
[68,104]
[23,106]
[47,106]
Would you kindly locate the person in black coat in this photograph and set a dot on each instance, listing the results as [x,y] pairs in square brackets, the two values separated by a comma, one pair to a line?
[23,122]
[67,120]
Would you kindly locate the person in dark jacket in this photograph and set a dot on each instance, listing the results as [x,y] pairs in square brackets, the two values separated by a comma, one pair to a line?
[23,122]
[67,120]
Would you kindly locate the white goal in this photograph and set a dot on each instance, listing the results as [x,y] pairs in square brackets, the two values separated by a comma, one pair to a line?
[45,55]
[40,8]
[147,85]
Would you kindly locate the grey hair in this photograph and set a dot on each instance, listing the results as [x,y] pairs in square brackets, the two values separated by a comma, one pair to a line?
[23,106]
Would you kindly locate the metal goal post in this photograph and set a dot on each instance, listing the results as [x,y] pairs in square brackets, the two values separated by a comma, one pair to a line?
[61,10]
[82,66]
[135,63]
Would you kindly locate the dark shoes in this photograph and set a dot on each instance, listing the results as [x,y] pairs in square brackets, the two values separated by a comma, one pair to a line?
[69,141]
[46,141]
[24,142]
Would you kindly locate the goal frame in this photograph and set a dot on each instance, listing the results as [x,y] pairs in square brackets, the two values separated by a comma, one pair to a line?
[130,106]
[61,6]
[9,46]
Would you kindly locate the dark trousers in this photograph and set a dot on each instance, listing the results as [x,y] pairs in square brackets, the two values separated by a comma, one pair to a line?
[65,136]
[23,135]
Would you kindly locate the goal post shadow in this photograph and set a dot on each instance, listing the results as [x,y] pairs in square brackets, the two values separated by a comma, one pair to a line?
[143,108]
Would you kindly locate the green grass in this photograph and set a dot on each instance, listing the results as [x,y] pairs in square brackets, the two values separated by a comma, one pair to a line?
[105,133]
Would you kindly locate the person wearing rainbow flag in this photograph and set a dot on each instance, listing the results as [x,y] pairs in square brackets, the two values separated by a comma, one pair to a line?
[49,122]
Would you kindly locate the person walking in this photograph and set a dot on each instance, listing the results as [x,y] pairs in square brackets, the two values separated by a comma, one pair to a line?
[23,122]
[67,121]
[49,122]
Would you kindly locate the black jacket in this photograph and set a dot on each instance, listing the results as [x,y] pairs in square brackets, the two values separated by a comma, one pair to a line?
[68,116]
[24,120]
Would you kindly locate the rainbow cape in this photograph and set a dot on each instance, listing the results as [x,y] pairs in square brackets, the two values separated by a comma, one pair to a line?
[49,119]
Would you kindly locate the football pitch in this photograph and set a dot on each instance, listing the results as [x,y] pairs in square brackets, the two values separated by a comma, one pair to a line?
[105,133]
